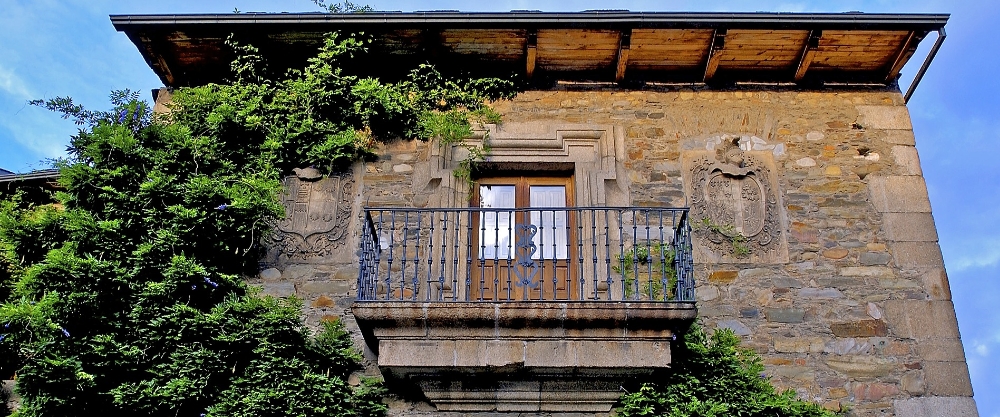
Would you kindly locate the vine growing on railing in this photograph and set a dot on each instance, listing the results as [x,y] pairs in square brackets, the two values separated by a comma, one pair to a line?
[646,266]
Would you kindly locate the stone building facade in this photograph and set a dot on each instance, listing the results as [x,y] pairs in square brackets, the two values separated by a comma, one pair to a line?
[812,233]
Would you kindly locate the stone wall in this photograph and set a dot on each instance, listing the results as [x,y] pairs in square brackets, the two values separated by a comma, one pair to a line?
[843,292]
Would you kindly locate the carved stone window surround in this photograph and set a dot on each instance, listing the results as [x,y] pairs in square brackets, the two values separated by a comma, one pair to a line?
[592,149]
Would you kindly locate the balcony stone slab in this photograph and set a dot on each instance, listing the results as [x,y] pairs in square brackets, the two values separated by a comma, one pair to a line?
[521,356]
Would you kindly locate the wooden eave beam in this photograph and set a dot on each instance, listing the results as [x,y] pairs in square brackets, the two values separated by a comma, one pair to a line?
[624,44]
[154,44]
[432,44]
[714,54]
[531,52]
[907,50]
[808,52]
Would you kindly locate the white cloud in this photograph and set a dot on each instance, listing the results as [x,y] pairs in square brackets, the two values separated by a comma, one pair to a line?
[13,85]
[981,349]
[977,253]
[38,130]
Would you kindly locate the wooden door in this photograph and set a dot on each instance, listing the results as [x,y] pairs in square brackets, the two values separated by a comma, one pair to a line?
[524,254]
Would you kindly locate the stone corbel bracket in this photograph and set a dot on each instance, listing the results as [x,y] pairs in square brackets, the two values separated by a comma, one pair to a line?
[593,150]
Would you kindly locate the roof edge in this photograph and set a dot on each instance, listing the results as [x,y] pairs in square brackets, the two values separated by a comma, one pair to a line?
[926,21]
[39,174]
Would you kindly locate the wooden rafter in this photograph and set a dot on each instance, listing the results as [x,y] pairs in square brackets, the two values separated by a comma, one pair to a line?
[905,52]
[714,55]
[855,48]
[532,52]
[808,52]
[430,41]
[158,61]
[624,44]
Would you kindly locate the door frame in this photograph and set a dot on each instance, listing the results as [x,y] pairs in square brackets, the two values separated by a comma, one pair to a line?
[483,288]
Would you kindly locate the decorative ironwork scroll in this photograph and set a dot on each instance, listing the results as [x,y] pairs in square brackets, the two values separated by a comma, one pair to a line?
[525,252]
[317,215]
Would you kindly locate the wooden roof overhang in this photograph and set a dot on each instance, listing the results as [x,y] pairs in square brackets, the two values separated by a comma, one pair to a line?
[619,46]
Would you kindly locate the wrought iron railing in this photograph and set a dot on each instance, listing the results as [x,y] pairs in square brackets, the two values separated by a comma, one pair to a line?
[536,254]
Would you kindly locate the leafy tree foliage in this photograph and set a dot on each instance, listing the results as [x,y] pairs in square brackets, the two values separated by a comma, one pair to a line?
[127,295]
[714,376]
[343,7]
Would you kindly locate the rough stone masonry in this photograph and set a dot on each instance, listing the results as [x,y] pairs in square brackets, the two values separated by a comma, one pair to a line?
[844,291]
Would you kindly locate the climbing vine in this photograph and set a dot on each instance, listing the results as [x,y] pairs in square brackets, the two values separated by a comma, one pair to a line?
[741,247]
[712,376]
[648,271]
[127,294]
[453,128]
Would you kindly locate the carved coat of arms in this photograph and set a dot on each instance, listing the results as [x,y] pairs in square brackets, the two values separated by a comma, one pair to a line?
[735,209]
[317,213]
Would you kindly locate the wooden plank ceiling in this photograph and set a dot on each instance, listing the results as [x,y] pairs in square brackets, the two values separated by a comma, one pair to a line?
[195,53]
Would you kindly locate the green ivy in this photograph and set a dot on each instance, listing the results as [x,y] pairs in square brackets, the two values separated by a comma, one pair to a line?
[741,246]
[715,377]
[650,262]
[127,295]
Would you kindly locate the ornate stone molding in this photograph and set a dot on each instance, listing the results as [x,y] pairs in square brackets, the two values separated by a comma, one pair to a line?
[593,150]
[317,216]
[736,209]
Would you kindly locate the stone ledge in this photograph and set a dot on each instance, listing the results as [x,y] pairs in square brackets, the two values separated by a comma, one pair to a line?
[521,356]
[402,354]
[521,320]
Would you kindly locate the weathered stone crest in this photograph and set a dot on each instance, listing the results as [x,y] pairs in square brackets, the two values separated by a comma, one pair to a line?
[735,208]
[317,215]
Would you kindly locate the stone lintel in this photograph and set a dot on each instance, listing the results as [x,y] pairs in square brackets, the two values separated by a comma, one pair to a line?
[522,356]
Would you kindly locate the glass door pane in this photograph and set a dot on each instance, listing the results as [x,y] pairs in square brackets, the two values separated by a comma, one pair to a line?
[551,238]
[496,231]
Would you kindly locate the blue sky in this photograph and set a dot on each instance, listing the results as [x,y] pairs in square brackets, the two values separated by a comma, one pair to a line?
[52,48]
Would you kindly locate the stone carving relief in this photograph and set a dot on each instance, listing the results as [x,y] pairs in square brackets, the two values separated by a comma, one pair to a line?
[736,212]
[317,215]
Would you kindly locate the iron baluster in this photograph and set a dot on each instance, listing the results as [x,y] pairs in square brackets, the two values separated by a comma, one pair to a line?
[663,262]
[416,258]
[665,249]
[468,259]
[607,251]
[593,239]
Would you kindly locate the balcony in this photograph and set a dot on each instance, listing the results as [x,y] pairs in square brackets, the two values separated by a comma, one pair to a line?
[540,309]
